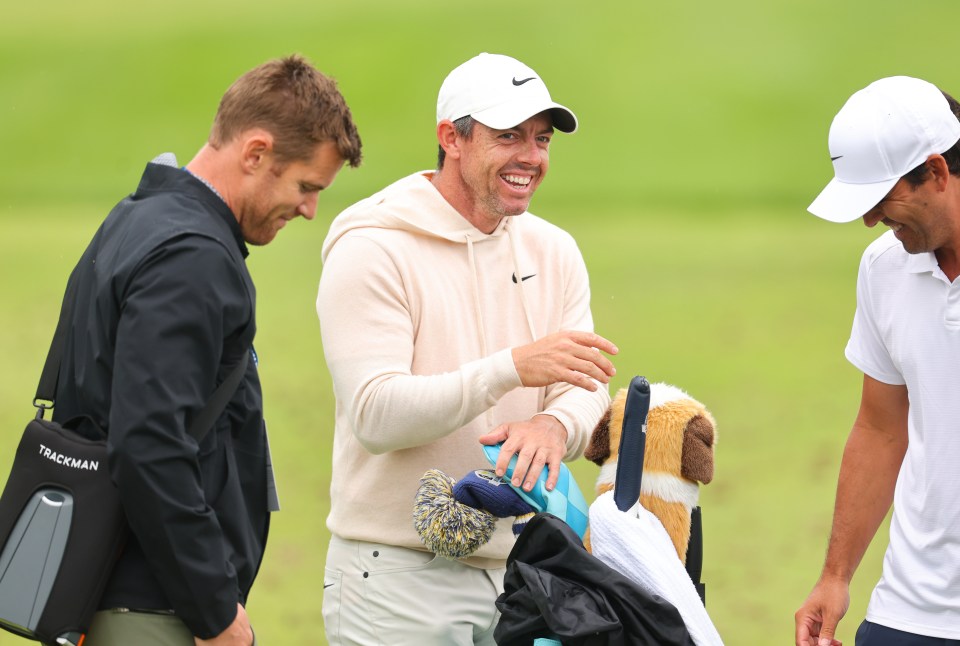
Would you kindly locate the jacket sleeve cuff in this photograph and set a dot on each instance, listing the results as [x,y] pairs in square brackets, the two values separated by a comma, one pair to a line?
[213,619]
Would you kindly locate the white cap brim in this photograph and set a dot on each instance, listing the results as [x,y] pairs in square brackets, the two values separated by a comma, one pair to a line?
[508,115]
[846,202]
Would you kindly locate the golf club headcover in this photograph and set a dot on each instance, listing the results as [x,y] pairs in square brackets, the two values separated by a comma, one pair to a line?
[445,525]
[566,502]
[679,455]
[482,489]
[454,519]
[520,522]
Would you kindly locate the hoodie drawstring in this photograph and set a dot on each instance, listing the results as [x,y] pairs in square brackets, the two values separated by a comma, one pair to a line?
[478,310]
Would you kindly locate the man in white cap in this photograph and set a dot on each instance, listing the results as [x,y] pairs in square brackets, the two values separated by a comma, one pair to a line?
[451,318]
[897,162]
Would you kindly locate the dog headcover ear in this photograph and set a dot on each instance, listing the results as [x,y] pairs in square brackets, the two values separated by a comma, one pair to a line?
[599,448]
[698,440]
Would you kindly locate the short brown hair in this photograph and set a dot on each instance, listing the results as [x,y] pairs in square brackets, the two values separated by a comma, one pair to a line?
[293,101]
[464,128]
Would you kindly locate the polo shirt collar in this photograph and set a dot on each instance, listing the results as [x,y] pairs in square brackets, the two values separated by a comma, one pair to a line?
[919,263]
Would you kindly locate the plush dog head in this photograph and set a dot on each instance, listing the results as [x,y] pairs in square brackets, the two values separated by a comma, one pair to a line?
[681,436]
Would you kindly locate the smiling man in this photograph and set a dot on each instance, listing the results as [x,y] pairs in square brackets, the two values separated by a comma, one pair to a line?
[897,162]
[451,318]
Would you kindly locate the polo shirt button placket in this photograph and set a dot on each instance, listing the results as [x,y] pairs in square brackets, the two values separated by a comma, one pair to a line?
[951,312]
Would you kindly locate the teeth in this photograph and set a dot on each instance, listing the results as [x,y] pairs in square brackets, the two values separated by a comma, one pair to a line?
[517,179]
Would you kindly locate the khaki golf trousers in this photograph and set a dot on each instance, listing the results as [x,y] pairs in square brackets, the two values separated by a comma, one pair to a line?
[129,628]
[381,595]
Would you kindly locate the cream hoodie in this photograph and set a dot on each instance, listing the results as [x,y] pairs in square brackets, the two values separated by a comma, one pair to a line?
[418,313]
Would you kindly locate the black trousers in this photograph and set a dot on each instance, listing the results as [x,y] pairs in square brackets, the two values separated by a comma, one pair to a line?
[870,634]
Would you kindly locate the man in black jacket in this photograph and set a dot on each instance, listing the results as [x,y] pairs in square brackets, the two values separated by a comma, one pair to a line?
[165,309]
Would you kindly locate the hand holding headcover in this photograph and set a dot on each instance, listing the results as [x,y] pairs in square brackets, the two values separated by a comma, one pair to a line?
[454,519]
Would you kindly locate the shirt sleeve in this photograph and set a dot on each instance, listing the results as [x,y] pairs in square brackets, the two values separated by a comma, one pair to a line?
[182,302]
[866,348]
[368,340]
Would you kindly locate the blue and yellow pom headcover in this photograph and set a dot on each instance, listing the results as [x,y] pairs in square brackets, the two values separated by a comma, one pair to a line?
[565,501]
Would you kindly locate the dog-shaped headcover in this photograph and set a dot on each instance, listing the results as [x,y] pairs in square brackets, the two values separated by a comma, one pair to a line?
[681,435]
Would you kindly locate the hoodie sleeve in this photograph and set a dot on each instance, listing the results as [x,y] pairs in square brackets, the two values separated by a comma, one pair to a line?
[577,409]
[368,341]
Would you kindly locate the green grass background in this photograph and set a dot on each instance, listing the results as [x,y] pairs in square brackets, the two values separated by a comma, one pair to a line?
[703,139]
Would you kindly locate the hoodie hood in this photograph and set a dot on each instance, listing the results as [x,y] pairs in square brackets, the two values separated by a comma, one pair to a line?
[409,204]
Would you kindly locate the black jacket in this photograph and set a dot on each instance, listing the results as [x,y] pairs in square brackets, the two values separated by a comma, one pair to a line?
[165,308]
[555,588]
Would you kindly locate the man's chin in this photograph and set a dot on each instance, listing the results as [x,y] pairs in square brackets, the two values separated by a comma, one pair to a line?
[260,238]
[515,207]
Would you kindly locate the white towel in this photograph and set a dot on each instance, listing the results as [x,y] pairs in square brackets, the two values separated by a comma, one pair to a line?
[635,544]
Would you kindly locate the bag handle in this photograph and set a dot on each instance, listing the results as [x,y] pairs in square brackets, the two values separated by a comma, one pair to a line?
[47,388]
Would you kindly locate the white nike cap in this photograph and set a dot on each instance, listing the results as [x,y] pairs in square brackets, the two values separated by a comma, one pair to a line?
[499,92]
[880,134]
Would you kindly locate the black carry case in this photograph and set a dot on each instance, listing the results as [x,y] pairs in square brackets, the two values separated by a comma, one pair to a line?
[62,526]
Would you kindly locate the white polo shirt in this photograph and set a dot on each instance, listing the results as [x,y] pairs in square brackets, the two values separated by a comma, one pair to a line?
[907,331]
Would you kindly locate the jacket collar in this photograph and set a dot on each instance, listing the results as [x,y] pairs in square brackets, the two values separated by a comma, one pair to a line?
[163,176]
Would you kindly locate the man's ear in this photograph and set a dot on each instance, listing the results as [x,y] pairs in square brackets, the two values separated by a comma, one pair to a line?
[448,139]
[257,144]
[939,171]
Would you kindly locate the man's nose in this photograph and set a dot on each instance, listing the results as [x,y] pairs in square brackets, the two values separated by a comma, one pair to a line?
[308,208]
[530,153]
[872,217]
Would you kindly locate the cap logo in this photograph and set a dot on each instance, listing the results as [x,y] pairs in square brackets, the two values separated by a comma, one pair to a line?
[521,82]
[833,159]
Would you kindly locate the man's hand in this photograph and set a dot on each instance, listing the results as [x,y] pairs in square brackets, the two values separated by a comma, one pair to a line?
[567,356]
[539,441]
[816,621]
[238,633]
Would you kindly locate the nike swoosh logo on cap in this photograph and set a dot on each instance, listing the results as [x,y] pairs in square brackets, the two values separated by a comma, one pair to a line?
[522,278]
[833,159]
[521,82]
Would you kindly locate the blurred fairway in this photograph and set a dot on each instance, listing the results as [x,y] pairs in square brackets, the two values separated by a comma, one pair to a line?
[702,140]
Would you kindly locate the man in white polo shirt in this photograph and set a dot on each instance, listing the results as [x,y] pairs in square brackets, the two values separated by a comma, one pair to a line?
[896,162]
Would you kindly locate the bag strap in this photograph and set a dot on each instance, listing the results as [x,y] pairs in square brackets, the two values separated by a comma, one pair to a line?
[218,400]
[47,388]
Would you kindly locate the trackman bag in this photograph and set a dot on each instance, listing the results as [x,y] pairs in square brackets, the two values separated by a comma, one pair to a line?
[62,527]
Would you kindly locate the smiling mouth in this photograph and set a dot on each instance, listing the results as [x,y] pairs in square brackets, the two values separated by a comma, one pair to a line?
[516,181]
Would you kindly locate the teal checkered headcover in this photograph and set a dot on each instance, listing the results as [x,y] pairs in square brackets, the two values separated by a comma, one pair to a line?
[565,501]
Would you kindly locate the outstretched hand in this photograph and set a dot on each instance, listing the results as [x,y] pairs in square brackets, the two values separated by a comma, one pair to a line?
[572,357]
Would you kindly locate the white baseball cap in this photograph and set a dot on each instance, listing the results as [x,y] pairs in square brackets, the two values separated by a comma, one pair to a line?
[499,92]
[880,134]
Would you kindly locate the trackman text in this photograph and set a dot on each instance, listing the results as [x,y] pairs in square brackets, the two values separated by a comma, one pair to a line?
[67,461]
